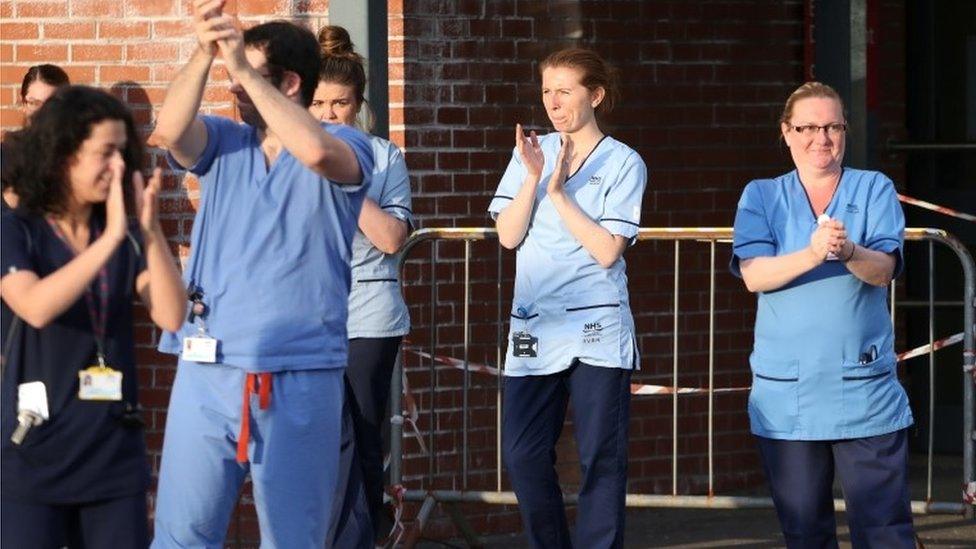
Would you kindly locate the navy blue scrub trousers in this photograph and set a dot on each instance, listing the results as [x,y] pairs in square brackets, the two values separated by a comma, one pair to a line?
[534,413]
[874,476]
[119,523]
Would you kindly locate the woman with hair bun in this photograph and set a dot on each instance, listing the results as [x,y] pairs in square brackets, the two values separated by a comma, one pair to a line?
[570,204]
[378,317]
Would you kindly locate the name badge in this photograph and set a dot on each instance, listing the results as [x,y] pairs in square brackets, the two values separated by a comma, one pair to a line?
[200,348]
[525,345]
[99,383]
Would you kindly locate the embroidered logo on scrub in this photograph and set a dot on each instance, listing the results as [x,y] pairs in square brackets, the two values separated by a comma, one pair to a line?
[591,332]
[853,209]
[594,180]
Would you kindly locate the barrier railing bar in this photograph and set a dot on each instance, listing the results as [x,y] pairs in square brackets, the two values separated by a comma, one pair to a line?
[467,373]
[674,374]
[498,376]
[931,418]
[432,368]
[711,367]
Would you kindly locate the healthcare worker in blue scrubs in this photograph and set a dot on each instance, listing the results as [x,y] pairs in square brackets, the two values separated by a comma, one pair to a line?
[819,246]
[570,204]
[378,316]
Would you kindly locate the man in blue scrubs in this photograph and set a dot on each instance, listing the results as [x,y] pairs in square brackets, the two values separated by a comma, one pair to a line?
[819,246]
[259,385]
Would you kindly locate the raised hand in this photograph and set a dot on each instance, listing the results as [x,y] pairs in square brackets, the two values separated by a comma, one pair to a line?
[530,152]
[829,237]
[116,224]
[561,171]
[210,24]
[147,199]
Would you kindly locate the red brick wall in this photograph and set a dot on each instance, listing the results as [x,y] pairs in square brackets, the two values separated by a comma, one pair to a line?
[703,84]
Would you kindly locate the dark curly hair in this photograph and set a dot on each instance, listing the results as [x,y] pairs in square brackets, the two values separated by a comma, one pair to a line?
[37,156]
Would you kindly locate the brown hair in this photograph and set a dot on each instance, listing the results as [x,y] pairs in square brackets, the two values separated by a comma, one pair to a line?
[342,65]
[810,89]
[597,73]
[52,75]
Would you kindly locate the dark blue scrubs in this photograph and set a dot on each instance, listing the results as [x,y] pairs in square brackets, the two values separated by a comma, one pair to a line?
[89,455]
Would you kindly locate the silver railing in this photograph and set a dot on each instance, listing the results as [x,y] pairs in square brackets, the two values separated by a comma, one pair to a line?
[449,499]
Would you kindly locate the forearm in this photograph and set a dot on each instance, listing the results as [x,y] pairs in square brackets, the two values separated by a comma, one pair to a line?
[383,230]
[40,300]
[595,239]
[180,107]
[164,295]
[765,274]
[513,221]
[300,133]
[872,267]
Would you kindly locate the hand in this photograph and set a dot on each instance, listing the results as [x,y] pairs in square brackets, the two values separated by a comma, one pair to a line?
[147,200]
[210,24]
[829,237]
[561,172]
[116,224]
[530,152]
[231,46]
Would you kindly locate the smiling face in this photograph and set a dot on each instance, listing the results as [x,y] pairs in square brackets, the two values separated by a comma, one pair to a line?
[89,171]
[568,103]
[335,103]
[824,150]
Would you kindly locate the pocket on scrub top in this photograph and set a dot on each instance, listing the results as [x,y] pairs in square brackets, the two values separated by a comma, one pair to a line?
[868,390]
[774,401]
[594,330]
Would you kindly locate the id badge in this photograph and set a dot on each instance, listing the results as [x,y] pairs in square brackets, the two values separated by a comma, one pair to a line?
[525,345]
[33,396]
[200,348]
[99,383]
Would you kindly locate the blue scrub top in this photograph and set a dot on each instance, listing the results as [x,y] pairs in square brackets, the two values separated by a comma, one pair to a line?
[376,306]
[809,379]
[576,308]
[271,250]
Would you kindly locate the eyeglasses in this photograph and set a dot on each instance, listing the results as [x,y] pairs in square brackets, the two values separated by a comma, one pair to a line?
[810,130]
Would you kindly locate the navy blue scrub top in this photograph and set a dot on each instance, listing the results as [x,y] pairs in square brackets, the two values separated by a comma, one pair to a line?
[809,379]
[83,453]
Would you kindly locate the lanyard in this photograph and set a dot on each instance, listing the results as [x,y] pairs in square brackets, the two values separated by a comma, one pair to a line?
[99,316]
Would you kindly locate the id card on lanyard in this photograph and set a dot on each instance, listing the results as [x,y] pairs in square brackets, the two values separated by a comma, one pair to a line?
[201,347]
[99,381]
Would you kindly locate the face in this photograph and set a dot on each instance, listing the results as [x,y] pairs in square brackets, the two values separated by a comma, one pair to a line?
[824,149]
[249,113]
[335,104]
[568,103]
[37,93]
[90,167]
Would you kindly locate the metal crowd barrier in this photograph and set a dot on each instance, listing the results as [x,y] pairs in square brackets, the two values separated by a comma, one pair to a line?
[450,498]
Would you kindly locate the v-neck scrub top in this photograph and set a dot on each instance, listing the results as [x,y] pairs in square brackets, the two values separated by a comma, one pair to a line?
[376,306]
[811,380]
[271,251]
[576,308]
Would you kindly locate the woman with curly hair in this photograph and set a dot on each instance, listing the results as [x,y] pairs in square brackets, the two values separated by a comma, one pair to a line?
[73,469]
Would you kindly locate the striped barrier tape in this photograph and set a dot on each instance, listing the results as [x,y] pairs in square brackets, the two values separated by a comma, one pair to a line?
[936,208]
[647,389]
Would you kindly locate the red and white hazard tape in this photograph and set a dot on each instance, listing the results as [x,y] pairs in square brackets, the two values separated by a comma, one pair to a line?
[646,389]
[936,208]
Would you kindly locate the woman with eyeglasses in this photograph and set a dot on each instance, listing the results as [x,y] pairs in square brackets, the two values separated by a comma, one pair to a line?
[819,246]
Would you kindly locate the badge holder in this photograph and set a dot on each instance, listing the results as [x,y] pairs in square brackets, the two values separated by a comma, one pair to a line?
[201,347]
[524,344]
[99,382]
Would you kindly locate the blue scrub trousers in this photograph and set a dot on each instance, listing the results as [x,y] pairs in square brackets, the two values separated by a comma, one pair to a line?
[534,413]
[119,523]
[293,456]
[874,476]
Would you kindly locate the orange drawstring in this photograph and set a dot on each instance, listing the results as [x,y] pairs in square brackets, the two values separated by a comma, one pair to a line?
[263,381]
